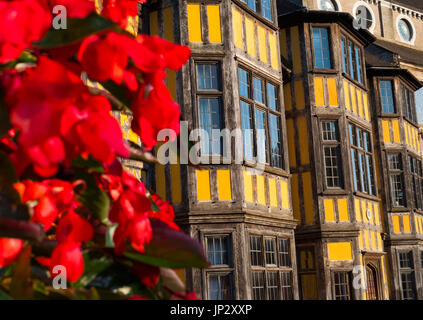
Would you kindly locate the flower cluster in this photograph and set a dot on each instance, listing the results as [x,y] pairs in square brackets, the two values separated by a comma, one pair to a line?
[60,141]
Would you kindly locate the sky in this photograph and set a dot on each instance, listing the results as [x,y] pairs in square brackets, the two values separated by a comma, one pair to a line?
[419,105]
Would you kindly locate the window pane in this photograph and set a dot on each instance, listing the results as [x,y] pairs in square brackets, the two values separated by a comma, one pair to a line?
[247,130]
[341,286]
[258,90]
[275,141]
[218,250]
[207,76]
[244,83]
[406,260]
[273,291]
[270,249]
[408,286]
[387,96]
[284,257]
[330,131]
[359,71]
[210,119]
[286,284]
[256,251]
[272,97]
[258,285]
[332,161]
[252,5]
[322,55]
[261,128]
[266,9]
[351,54]
[345,63]
[220,287]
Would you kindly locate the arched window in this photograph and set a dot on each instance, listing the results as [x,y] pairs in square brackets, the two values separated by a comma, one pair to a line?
[405,30]
[328,5]
[365,17]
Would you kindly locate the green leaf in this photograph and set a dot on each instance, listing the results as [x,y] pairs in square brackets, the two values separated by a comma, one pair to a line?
[94,264]
[8,177]
[170,248]
[90,164]
[94,198]
[109,236]
[77,29]
[118,91]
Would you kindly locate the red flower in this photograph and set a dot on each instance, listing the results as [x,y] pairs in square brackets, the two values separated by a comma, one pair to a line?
[18,29]
[166,213]
[120,10]
[150,102]
[137,230]
[54,197]
[74,228]
[9,250]
[75,8]
[59,119]
[148,275]
[68,255]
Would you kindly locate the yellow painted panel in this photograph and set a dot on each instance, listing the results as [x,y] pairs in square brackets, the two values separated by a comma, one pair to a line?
[154,23]
[291,142]
[295,197]
[261,32]
[357,210]
[213,15]
[309,287]
[366,239]
[360,240]
[224,185]
[296,50]
[194,23]
[284,194]
[360,104]
[274,58]
[339,251]
[160,181]
[333,92]
[168,24]
[175,175]
[364,210]
[343,210]
[421,225]
[366,106]
[319,94]
[406,223]
[132,136]
[283,43]
[379,241]
[287,96]
[248,187]
[299,94]
[373,237]
[406,133]
[261,192]
[347,96]
[329,210]
[376,213]
[250,35]
[308,198]
[238,32]
[386,131]
[353,99]
[203,185]
[395,128]
[273,194]
[303,137]
[171,82]
[396,224]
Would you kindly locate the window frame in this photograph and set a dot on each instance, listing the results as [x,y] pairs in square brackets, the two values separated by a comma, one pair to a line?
[258,9]
[266,269]
[415,171]
[393,90]
[410,109]
[329,28]
[220,270]
[263,107]
[348,273]
[396,172]
[209,94]
[347,73]
[360,150]
[407,271]
[332,143]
